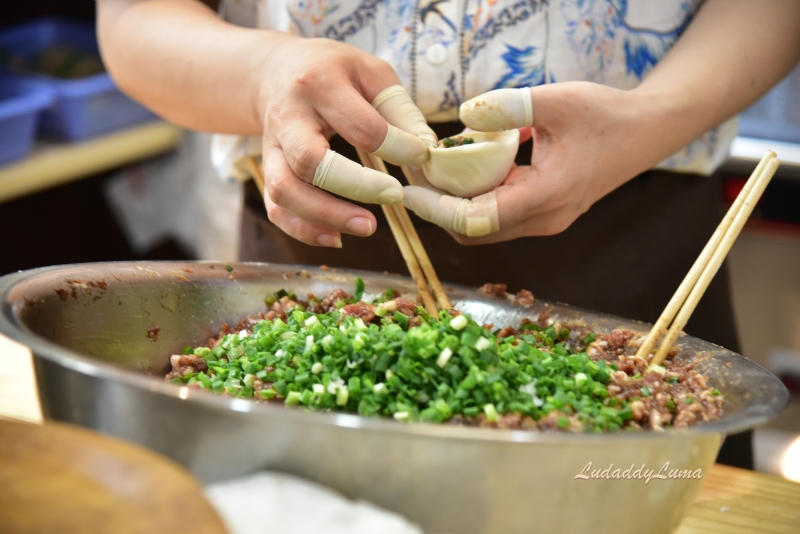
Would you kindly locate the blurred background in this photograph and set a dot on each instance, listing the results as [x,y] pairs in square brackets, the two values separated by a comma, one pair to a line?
[88,175]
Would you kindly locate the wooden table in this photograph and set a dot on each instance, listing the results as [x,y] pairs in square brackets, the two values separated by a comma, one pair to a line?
[738,501]
[732,501]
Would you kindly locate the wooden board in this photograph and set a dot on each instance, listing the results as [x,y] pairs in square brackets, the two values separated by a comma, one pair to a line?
[738,501]
[62,478]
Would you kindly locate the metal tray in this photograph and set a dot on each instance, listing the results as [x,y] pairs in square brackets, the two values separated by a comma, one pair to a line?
[91,329]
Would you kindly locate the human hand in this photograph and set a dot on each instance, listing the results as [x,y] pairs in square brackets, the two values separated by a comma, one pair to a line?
[588,140]
[326,87]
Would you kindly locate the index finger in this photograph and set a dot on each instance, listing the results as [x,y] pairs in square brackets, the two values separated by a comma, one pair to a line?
[498,110]
[360,124]
[306,150]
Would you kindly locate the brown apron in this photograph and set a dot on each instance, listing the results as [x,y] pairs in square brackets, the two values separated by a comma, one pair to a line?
[625,256]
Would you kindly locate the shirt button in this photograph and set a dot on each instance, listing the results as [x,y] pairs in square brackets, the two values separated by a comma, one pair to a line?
[436,54]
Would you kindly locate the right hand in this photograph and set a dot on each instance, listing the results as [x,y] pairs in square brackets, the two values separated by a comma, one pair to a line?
[588,139]
[309,90]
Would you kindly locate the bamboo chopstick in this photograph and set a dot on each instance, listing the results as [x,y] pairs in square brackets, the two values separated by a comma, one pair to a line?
[411,260]
[257,172]
[415,241]
[422,257]
[411,248]
[419,265]
[700,263]
[694,285]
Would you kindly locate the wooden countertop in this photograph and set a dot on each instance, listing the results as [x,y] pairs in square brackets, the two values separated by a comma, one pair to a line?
[732,501]
[738,501]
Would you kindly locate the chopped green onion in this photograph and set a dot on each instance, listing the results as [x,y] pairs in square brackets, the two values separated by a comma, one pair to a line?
[305,397]
[402,319]
[293,398]
[359,289]
[482,343]
[445,356]
[458,322]
[342,396]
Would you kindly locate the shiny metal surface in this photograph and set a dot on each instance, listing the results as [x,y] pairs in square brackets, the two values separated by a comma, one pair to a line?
[88,327]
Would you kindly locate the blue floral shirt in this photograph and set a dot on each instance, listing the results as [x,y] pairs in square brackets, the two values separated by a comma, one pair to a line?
[448,51]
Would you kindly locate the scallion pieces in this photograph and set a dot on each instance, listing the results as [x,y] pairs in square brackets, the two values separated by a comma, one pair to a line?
[413,367]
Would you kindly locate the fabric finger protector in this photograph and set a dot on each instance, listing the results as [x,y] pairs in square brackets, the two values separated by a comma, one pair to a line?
[498,110]
[396,106]
[402,148]
[473,218]
[344,177]
[416,176]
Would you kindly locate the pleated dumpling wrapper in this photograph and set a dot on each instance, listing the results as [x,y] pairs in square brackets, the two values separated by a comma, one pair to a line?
[473,169]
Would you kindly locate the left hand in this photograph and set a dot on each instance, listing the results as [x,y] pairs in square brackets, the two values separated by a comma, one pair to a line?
[588,140]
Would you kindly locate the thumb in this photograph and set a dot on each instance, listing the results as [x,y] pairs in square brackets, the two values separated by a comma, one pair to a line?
[396,106]
[474,218]
[498,110]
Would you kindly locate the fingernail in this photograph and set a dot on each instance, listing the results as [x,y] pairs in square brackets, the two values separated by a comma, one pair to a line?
[328,240]
[360,226]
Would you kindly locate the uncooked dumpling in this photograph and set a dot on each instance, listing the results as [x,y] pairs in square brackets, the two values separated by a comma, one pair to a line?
[473,169]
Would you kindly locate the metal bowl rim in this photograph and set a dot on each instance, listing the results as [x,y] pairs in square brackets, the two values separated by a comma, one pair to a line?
[41,347]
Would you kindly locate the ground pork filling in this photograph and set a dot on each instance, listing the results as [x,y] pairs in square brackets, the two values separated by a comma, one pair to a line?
[674,395]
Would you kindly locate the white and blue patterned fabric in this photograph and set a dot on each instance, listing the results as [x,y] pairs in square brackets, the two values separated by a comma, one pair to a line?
[448,51]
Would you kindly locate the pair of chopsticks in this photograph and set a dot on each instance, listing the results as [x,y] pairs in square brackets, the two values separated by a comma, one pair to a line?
[410,245]
[411,248]
[691,290]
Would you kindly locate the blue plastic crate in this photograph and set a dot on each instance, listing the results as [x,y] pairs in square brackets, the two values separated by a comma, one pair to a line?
[83,107]
[21,104]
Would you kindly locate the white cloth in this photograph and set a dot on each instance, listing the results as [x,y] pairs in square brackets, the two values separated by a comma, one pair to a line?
[448,51]
[178,195]
[265,503]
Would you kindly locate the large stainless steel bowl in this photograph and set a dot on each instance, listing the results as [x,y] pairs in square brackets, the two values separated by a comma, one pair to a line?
[92,329]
